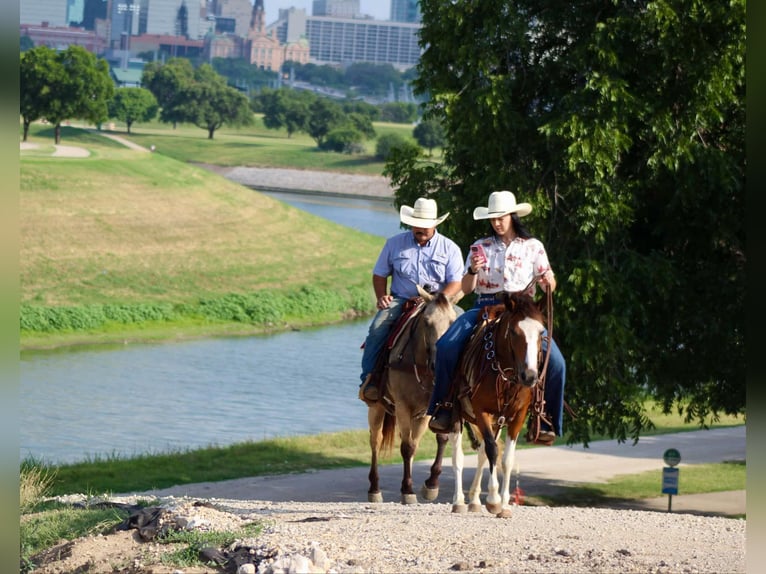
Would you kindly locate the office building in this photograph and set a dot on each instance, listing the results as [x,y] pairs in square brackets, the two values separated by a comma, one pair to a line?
[405,11]
[54,12]
[336,8]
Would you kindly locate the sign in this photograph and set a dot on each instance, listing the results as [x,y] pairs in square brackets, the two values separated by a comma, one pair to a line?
[671,457]
[669,480]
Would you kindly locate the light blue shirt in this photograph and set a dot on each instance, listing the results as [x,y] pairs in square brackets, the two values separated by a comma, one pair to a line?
[435,264]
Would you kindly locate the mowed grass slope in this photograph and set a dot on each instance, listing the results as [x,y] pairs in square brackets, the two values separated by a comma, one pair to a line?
[131,227]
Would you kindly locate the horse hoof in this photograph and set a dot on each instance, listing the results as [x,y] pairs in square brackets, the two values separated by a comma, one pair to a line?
[409,499]
[374,497]
[494,508]
[504,513]
[429,494]
[474,507]
[459,509]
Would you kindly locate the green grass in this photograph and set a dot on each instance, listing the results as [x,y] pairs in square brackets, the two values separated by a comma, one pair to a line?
[124,228]
[693,479]
[255,146]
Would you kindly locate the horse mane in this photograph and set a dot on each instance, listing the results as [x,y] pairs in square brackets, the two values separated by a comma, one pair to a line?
[521,302]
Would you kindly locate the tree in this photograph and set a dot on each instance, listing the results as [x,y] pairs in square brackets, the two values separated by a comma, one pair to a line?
[133,105]
[209,103]
[37,76]
[623,124]
[324,116]
[25,43]
[73,84]
[429,134]
[167,82]
[286,108]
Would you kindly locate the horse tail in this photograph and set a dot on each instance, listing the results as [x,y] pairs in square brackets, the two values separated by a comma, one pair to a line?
[389,433]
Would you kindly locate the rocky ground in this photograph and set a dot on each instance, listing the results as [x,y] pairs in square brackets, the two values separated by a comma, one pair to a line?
[424,538]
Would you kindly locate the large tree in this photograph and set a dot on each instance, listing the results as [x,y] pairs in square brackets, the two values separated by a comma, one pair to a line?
[133,105]
[623,124]
[167,82]
[57,86]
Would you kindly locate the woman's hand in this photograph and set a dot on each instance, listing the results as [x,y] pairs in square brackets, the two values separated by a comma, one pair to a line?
[548,278]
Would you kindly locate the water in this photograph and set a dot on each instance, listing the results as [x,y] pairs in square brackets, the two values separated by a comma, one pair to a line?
[370,215]
[129,400]
[164,397]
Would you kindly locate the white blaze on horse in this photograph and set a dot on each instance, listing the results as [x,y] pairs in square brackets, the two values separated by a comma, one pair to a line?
[406,389]
[498,370]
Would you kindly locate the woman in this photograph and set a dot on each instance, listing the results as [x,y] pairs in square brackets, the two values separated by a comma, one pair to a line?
[509,260]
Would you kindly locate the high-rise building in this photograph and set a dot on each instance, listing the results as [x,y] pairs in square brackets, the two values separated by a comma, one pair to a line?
[54,12]
[75,10]
[336,8]
[405,11]
[344,41]
[232,16]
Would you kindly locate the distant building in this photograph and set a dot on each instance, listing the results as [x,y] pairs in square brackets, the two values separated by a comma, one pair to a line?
[61,37]
[336,8]
[405,11]
[259,47]
[54,12]
[343,41]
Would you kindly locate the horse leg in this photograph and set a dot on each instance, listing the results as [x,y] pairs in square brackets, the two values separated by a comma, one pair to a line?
[375,416]
[458,498]
[509,454]
[407,450]
[430,490]
[474,493]
[493,502]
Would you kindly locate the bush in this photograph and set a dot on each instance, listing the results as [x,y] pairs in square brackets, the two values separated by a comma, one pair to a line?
[342,140]
[388,142]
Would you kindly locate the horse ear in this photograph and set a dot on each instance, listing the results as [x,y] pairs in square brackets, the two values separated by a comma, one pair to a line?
[508,300]
[424,294]
[456,297]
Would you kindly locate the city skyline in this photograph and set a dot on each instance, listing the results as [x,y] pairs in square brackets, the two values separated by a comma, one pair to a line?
[380,9]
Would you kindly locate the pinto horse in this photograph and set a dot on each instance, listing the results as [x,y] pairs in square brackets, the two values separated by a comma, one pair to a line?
[406,385]
[497,371]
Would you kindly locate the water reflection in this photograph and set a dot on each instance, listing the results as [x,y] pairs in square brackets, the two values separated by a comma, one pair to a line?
[161,397]
[164,397]
[378,217]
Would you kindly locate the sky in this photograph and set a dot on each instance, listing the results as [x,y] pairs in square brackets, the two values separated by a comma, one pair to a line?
[379,9]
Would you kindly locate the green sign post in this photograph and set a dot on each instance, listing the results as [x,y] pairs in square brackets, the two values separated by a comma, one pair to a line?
[670,474]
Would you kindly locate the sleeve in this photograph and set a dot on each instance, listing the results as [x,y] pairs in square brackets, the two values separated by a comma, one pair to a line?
[541,263]
[455,267]
[384,267]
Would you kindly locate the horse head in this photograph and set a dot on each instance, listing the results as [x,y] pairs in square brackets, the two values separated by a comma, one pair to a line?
[438,314]
[523,334]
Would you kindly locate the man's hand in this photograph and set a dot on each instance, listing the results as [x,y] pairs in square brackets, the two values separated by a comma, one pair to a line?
[384,301]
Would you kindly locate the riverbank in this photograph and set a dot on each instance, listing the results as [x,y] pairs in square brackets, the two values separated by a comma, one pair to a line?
[307,181]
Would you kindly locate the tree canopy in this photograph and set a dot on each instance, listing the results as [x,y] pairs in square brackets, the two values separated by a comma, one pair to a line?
[57,86]
[623,124]
[198,96]
[133,105]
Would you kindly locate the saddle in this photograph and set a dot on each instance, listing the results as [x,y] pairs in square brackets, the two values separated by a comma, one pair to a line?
[378,376]
[475,363]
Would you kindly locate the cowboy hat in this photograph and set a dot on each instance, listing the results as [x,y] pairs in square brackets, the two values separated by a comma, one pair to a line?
[423,214]
[501,203]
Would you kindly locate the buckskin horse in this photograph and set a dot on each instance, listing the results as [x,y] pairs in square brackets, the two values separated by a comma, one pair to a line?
[406,385]
[497,372]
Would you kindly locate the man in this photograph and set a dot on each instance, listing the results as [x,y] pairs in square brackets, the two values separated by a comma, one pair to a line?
[422,257]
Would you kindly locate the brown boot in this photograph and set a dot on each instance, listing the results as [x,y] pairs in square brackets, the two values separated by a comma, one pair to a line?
[441,421]
[368,392]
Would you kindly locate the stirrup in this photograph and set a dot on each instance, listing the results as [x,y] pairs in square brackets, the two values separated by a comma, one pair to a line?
[368,392]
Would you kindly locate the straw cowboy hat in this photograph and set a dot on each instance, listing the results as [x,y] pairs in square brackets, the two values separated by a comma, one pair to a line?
[423,214]
[501,203]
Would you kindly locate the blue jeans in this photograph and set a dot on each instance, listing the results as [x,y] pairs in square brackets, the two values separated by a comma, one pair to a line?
[378,333]
[450,345]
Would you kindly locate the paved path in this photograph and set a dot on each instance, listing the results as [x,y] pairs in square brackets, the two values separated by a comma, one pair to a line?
[543,471]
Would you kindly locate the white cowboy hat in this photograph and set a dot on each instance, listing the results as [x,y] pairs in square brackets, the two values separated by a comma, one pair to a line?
[501,203]
[423,214]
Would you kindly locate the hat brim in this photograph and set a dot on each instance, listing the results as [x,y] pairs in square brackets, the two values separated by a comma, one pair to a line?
[521,209]
[406,217]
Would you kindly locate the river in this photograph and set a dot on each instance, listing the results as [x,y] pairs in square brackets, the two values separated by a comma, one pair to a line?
[149,398]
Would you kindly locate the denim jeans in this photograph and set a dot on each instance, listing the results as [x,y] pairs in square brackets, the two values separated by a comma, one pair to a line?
[380,327]
[450,345]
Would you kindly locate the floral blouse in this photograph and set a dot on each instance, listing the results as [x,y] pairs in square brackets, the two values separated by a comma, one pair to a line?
[510,268]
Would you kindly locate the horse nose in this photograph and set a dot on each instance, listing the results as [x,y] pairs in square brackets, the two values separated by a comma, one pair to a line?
[529,377]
